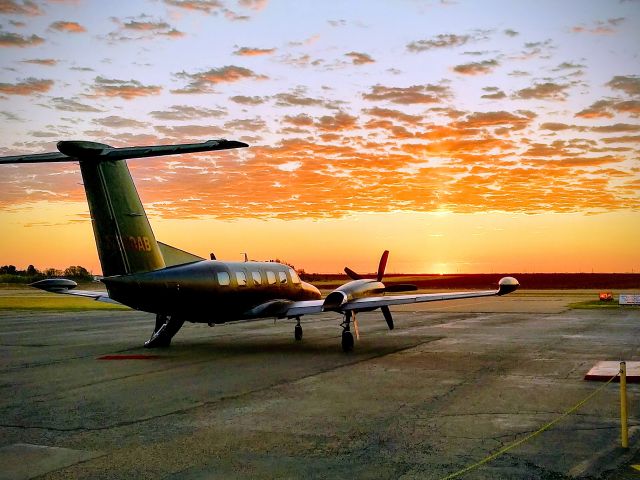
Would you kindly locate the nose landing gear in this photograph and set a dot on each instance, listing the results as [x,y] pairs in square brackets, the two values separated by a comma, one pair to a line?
[297,331]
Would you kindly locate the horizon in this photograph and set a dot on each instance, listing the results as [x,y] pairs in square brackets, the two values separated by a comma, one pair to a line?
[501,137]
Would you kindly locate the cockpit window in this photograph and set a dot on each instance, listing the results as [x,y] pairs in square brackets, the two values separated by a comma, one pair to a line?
[223,278]
[271,277]
[294,276]
[257,279]
[242,279]
[282,277]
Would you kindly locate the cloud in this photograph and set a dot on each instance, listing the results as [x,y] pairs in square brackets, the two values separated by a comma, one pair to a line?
[499,118]
[359,58]
[187,132]
[622,139]
[493,93]
[618,127]
[394,115]
[204,81]
[154,28]
[599,27]
[336,123]
[254,52]
[607,108]
[70,105]
[47,62]
[29,86]
[476,68]
[186,112]
[296,98]
[629,84]
[115,121]
[26,7]
[251,124]
[253,4]
[126,89]
[510,32]
[543,91]
[69,27]
[245,100]
[416,94]
[8,39]
[301,120]
[206,6]
[439,41]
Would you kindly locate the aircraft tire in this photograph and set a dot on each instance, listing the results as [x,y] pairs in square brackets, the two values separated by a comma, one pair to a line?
[347,341]
[297,333]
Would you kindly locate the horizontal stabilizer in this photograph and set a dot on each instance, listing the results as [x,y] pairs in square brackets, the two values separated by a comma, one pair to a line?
[174,256]
[67,287]
[73,151]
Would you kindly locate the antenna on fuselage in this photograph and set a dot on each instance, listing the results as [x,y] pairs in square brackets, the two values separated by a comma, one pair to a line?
[246,258]
[212,256]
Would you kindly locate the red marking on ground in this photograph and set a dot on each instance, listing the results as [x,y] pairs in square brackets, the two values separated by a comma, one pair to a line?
[129,357]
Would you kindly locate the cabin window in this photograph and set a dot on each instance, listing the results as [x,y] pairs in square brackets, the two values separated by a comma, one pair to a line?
[294,276]
[242,279]
[271,278]
[223,278]
[257,279]
[282,277]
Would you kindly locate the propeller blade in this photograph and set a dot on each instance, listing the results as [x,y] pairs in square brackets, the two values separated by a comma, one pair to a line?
[400,287]
[382,265]
[355,326]
[351,274]
[387,316]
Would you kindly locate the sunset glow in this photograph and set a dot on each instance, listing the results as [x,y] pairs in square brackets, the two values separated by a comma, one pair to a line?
[462,136]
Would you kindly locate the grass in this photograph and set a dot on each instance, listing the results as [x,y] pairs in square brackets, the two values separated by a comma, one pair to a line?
[54,302]
[597,305]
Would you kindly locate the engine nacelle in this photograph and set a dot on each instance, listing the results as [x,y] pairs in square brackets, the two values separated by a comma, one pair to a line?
[352,291]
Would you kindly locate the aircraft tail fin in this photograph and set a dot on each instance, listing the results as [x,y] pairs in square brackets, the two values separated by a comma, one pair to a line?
[174,256]
[126,243]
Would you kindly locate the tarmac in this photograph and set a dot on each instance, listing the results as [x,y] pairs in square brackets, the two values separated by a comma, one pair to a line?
[452,384]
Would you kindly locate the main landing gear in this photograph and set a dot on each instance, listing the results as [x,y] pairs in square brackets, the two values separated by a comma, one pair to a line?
[297,331]
[165,329]
[347,336]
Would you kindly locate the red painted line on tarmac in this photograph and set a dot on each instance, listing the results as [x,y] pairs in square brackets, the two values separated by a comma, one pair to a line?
[129,357]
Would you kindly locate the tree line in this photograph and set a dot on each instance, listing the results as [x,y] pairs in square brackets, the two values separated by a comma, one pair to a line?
[10,274]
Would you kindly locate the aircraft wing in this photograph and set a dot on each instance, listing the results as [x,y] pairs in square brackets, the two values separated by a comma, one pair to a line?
[67,287]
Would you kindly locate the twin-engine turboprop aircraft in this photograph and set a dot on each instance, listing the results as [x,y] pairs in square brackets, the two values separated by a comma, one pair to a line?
[148,275]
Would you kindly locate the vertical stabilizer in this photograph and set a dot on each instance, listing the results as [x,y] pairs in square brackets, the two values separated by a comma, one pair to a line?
[125,241]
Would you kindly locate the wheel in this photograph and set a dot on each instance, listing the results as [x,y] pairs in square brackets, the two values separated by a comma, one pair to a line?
[347,341]
[297,332]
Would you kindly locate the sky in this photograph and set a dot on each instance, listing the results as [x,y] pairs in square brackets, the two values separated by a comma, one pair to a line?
[463,136]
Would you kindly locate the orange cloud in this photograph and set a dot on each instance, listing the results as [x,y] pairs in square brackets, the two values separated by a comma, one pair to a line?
[605,109]
[26,7]
[203,82]
[8,39]
[126,89]
[48,62]
[186,112]
[599,27]
[254,52]
[29,86]
[245,100]
[253,4]
[416,94]
[476,68]
[629,84]
[69,27]
[358,58]
[439,41]
[393,114]
[207,6]
[543,91]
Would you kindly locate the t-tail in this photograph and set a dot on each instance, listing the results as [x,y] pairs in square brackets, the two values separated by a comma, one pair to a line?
[124,238]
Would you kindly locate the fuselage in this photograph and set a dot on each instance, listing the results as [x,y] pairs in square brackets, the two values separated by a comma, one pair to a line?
[212,291]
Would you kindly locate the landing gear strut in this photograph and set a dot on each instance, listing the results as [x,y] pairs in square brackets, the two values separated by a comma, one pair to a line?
[165,329]
[297,331]
[347,336]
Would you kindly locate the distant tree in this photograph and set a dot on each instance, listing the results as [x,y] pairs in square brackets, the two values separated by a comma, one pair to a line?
[8,270]
[32,271]
[52,272]
[77,272]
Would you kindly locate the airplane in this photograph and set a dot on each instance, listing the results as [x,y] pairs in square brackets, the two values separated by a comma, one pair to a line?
[177,286]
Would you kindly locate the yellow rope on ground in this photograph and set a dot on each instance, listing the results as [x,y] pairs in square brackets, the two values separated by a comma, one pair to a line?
[531,435]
